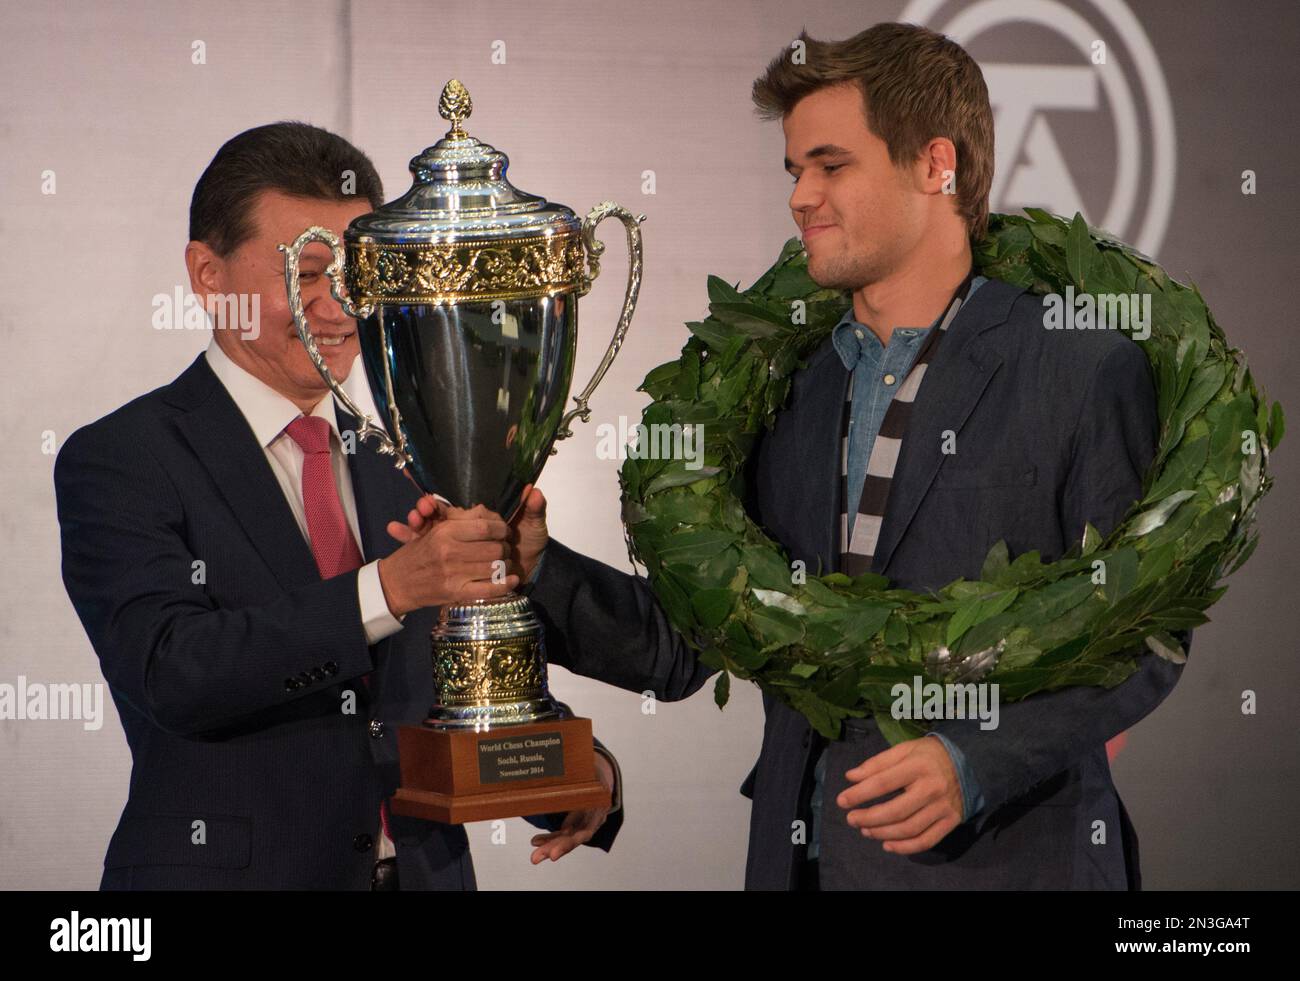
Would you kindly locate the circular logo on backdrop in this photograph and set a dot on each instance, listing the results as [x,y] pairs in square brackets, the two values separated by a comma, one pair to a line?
[1082,116]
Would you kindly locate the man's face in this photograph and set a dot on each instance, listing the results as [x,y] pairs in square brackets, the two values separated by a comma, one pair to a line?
[273,352]
[859,215]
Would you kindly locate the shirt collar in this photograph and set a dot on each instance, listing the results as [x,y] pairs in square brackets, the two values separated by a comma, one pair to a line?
[266,410]
[849,347]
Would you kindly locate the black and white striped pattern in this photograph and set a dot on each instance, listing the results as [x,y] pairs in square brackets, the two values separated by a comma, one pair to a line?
[856,555]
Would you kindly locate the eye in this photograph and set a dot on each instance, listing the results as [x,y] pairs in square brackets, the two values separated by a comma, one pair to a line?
[831,168]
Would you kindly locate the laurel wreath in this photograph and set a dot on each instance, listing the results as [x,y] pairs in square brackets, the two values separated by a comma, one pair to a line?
[833,647]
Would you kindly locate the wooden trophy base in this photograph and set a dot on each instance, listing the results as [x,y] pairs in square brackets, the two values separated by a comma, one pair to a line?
[458,775]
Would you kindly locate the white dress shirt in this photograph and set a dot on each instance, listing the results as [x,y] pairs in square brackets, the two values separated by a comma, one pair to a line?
[268,413]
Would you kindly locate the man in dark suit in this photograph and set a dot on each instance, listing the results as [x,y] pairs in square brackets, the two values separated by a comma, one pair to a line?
[1018,433]
[224,546]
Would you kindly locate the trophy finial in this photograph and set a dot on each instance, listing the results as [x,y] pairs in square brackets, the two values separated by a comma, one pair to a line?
[455,106]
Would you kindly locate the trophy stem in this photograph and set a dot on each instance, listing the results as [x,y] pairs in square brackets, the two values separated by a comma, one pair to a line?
[489,666]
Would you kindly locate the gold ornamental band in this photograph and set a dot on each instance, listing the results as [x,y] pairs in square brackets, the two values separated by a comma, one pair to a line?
[481,672]
[454,272]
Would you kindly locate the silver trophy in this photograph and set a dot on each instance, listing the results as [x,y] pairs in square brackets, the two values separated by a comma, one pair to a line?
[465,290]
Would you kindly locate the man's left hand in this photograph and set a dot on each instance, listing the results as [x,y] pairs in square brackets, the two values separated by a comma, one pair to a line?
[578,826]
[922,815]
[528,534]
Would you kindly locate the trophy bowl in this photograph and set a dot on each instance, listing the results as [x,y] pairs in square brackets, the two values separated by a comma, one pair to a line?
[465,291]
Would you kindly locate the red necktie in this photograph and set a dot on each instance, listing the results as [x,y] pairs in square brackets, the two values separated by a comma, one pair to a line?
[332,542]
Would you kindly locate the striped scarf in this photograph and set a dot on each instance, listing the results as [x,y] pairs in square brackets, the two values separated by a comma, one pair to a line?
[856,555]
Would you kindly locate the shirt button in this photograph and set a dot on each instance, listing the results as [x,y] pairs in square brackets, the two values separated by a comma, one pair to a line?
[889,379]
[858,334]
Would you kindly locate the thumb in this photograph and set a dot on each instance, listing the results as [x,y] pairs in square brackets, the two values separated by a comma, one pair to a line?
[535,505]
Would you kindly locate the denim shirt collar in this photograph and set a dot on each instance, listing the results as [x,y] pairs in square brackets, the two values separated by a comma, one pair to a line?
[851,348]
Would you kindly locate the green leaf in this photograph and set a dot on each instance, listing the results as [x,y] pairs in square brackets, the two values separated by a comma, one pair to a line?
[661,380]
[766,568]
[712,333]
[996,562]
[819,593]
[691,547]
[1168,648]
[897,730]
[1080,253]
[776,628]
[722,689]
[1121,574]
[720,291]
[973,611]
[711,606]
[676,474]
[1151,519]
[1276,426]
[1185,464]
[895,631]
[1054,600]
[777,600]
[1091,538]
[733,386]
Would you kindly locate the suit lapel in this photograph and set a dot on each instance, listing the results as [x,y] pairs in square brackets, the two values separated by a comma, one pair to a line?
[955,381]
[383,493]
[226,446]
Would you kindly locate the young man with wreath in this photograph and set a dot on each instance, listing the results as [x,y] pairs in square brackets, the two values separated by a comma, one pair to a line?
[1018,433]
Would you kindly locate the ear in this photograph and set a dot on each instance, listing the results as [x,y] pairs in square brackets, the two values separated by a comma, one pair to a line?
[937,166]
[207,276]
[206,269]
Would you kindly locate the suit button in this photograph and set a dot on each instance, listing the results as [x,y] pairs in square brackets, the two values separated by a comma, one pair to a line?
[331,668]
[317,674]
[377,729]
[292,684]
[363,843]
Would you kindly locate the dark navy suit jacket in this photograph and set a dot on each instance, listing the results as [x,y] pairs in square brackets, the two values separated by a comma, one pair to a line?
[1052,429]
[231,683]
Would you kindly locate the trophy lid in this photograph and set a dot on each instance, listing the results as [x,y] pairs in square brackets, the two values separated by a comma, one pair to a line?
[461,191]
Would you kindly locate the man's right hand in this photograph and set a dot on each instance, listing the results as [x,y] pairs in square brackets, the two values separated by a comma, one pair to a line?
[528,534]
[454,561]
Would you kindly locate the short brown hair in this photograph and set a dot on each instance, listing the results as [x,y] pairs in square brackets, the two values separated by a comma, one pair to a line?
[291,157]
[915,85]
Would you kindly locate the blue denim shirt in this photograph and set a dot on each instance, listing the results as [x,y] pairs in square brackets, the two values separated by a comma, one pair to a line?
[878,370]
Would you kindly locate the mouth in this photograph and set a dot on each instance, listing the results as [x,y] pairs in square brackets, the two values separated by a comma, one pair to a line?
[331,340]
[812,230]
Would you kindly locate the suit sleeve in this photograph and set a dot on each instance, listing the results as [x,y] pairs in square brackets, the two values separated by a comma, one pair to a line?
[163,644]
[1039,736]
[605,835]
[607,625]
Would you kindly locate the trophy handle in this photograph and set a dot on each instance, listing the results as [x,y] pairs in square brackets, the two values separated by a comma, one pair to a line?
[292,253]
[607,209]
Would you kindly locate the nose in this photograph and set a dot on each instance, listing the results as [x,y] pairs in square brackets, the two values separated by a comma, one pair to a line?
[806,197]
[321,307]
